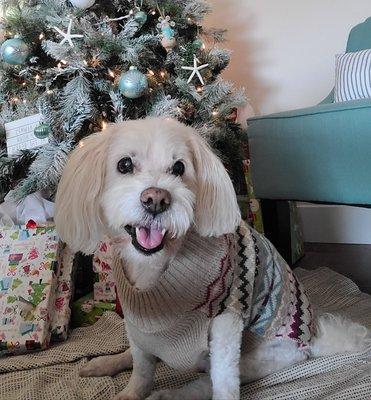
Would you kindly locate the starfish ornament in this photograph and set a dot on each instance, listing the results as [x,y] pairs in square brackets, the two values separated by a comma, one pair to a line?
[68,36]
[196,70]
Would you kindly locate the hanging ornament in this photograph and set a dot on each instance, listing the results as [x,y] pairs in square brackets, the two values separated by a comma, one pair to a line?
[14,51]
[196,70]
[140,17]
[82,4]
[42,131]
[167,32]
[198,44]
[133,83]
[68,36]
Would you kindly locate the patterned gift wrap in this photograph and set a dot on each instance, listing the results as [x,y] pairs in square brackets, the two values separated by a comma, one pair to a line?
[28,262]
[104,287]
[63,295]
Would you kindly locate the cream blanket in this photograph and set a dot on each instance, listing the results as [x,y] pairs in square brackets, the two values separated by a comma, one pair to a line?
[53,374]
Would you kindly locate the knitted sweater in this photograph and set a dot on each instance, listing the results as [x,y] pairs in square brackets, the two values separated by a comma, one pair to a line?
[240,273]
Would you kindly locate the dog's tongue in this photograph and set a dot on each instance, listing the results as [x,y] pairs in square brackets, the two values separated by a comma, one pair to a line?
[149,238]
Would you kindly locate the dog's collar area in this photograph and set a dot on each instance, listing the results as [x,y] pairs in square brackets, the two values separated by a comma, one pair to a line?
[131,230]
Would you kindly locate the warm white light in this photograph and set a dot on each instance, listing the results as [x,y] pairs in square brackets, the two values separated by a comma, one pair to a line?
[153,12]
[203,47]
[37,77]
[64,62]
[41,36]
[104,125]
[81,143]
[85,62]
[215,113]
[162,73]
[111,73]
[59,65]
[49,91]
[151,72]
[199,89]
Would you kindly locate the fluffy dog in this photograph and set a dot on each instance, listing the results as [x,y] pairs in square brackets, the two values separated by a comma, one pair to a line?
[199,289]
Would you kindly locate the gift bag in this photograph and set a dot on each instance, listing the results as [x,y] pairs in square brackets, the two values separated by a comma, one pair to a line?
[104,286]
[63,294]
[28,265]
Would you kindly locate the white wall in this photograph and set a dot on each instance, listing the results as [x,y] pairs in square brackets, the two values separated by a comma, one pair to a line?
[284,49]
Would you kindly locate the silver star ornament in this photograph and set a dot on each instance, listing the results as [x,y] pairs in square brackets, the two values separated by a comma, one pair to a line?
[196,70]
[68,36]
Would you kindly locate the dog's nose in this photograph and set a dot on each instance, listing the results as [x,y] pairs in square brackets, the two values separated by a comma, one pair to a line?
[155,200]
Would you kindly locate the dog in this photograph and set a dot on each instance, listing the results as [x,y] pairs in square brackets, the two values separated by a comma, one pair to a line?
[200,290]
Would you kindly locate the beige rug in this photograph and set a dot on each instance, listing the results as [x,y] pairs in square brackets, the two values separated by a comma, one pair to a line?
[53,374]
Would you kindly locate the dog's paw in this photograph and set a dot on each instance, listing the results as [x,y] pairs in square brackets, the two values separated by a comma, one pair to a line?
[127,396]
[100,366]
[166,394]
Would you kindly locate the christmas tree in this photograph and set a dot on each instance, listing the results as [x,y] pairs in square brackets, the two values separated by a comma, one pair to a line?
[81,64]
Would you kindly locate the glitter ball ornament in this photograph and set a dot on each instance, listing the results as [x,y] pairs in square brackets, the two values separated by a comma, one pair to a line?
[83,4]
[14,51]
[133,83]
[42,131]
[140,17]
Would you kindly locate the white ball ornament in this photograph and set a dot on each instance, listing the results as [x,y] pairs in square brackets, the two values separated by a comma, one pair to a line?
[82,4]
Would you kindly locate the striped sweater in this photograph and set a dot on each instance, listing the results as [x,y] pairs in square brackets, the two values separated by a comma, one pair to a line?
[240,273]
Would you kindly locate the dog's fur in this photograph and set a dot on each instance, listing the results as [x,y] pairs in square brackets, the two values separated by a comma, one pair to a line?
[94,199]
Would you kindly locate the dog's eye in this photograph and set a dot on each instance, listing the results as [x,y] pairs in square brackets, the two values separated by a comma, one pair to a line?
[125,165]
[178,169]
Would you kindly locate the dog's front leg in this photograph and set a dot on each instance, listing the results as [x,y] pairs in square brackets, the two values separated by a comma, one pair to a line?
[225,348]
[141,380]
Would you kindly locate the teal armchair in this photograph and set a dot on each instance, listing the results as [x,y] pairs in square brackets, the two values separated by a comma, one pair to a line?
[320,153]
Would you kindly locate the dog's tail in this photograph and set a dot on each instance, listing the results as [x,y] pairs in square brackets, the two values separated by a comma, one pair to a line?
[336,334]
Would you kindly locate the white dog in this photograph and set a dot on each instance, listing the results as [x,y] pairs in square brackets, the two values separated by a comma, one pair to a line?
[199,289]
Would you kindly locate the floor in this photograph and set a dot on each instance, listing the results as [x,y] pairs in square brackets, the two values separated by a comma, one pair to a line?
[351,260]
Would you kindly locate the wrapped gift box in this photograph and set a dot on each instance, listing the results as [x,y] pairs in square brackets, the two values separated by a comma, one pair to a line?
[28,265]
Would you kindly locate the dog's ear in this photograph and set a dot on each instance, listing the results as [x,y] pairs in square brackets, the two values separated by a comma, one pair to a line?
[217,211]
[78,215]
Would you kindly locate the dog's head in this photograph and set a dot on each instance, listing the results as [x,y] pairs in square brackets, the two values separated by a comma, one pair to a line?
[147,182]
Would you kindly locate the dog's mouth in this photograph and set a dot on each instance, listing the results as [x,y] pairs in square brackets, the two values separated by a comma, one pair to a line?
[147,239]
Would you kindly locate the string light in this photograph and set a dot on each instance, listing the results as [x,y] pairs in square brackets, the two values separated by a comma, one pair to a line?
[203,46]
[162,73]
[59,66]
[199,89]
[81,143]
[104,125]
[215,113]
[153,12]
[111,73]
[37,78]
[150,72]
[64,62]
[85,63]
[41,36]
[24,101]
[49,91]
[24,84]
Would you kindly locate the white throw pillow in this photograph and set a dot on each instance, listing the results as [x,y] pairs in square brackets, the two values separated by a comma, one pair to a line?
[353,76]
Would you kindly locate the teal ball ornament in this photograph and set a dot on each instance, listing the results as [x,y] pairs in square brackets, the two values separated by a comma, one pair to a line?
[42,131]
[14,51]
[140,17]
[197,43]
[133,83]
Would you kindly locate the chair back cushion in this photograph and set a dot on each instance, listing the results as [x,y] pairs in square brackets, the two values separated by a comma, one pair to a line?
[360,37]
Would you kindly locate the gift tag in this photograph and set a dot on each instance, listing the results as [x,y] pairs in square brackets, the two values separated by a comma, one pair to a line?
[20,134]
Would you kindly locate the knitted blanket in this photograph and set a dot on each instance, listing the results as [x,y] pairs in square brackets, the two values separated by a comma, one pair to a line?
[53,374]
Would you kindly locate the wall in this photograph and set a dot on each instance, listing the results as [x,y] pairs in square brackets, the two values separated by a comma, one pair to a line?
[284,50]
[283,54]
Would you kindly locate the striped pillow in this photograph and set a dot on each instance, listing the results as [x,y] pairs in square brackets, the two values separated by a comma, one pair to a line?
[353,76]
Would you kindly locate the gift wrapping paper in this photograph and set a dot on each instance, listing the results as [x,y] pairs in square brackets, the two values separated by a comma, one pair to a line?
[104,287]
[28,265]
